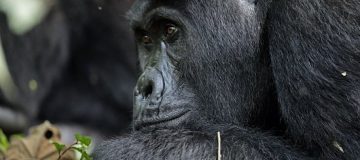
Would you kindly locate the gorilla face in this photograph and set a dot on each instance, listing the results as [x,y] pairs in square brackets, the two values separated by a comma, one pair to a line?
[192,74]
[161,99]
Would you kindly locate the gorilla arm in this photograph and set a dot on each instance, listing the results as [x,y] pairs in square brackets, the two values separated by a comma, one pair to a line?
[236,143]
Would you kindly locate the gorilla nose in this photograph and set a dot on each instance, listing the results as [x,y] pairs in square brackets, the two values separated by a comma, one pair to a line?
[150,87]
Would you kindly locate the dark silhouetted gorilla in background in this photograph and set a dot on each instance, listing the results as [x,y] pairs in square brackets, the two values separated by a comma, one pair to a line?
[99,79]
[39,57]
[82,59]
[280,79]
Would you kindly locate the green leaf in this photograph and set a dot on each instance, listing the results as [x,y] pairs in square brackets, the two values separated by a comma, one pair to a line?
[4,143]
[84,154]
[85,140]
[77,149]
[59,147]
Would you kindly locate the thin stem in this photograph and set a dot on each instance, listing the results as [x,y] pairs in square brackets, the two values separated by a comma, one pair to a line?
[219,145]
[67,149]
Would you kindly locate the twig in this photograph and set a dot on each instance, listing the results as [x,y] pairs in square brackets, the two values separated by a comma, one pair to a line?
[67,149]
[219,145]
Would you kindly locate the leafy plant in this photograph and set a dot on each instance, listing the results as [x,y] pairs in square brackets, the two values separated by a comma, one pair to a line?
[4,143]
[80,145]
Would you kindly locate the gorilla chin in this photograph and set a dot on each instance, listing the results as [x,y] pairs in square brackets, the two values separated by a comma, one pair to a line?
[166,120]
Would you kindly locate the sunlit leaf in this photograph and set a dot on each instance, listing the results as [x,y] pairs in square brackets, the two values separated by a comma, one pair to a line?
[59,147]
[4,143]
[85,140]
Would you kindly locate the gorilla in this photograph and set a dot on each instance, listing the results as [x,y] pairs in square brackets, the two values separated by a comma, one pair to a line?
[279,79]
[81,59]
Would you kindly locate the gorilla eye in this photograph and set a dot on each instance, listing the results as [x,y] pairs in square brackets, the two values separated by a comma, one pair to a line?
[146,39]
[170,30]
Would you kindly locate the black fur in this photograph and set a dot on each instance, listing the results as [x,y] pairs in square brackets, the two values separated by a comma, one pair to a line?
[312,43]
[184,144]
[40,54]
[286,73]
[101,70]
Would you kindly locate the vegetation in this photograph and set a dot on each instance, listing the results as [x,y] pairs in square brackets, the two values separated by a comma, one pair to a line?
[80,145]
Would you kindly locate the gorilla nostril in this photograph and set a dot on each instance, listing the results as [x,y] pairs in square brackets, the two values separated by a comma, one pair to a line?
[150,86]
[148,90]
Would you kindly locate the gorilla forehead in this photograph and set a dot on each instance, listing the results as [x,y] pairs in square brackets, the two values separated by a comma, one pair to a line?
[142,7]
[232,27]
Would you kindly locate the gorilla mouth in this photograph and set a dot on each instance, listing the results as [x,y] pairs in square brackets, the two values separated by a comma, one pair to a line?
[171,119]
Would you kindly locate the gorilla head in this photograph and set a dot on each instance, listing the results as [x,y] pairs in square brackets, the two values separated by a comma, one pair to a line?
[196,71]
[268,74]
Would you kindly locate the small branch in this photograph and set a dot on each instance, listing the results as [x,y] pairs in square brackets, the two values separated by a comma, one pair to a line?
[219,145]
[66,150]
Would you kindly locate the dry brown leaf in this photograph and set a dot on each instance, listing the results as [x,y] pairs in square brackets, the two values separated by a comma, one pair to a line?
[38,145]
[1,156]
